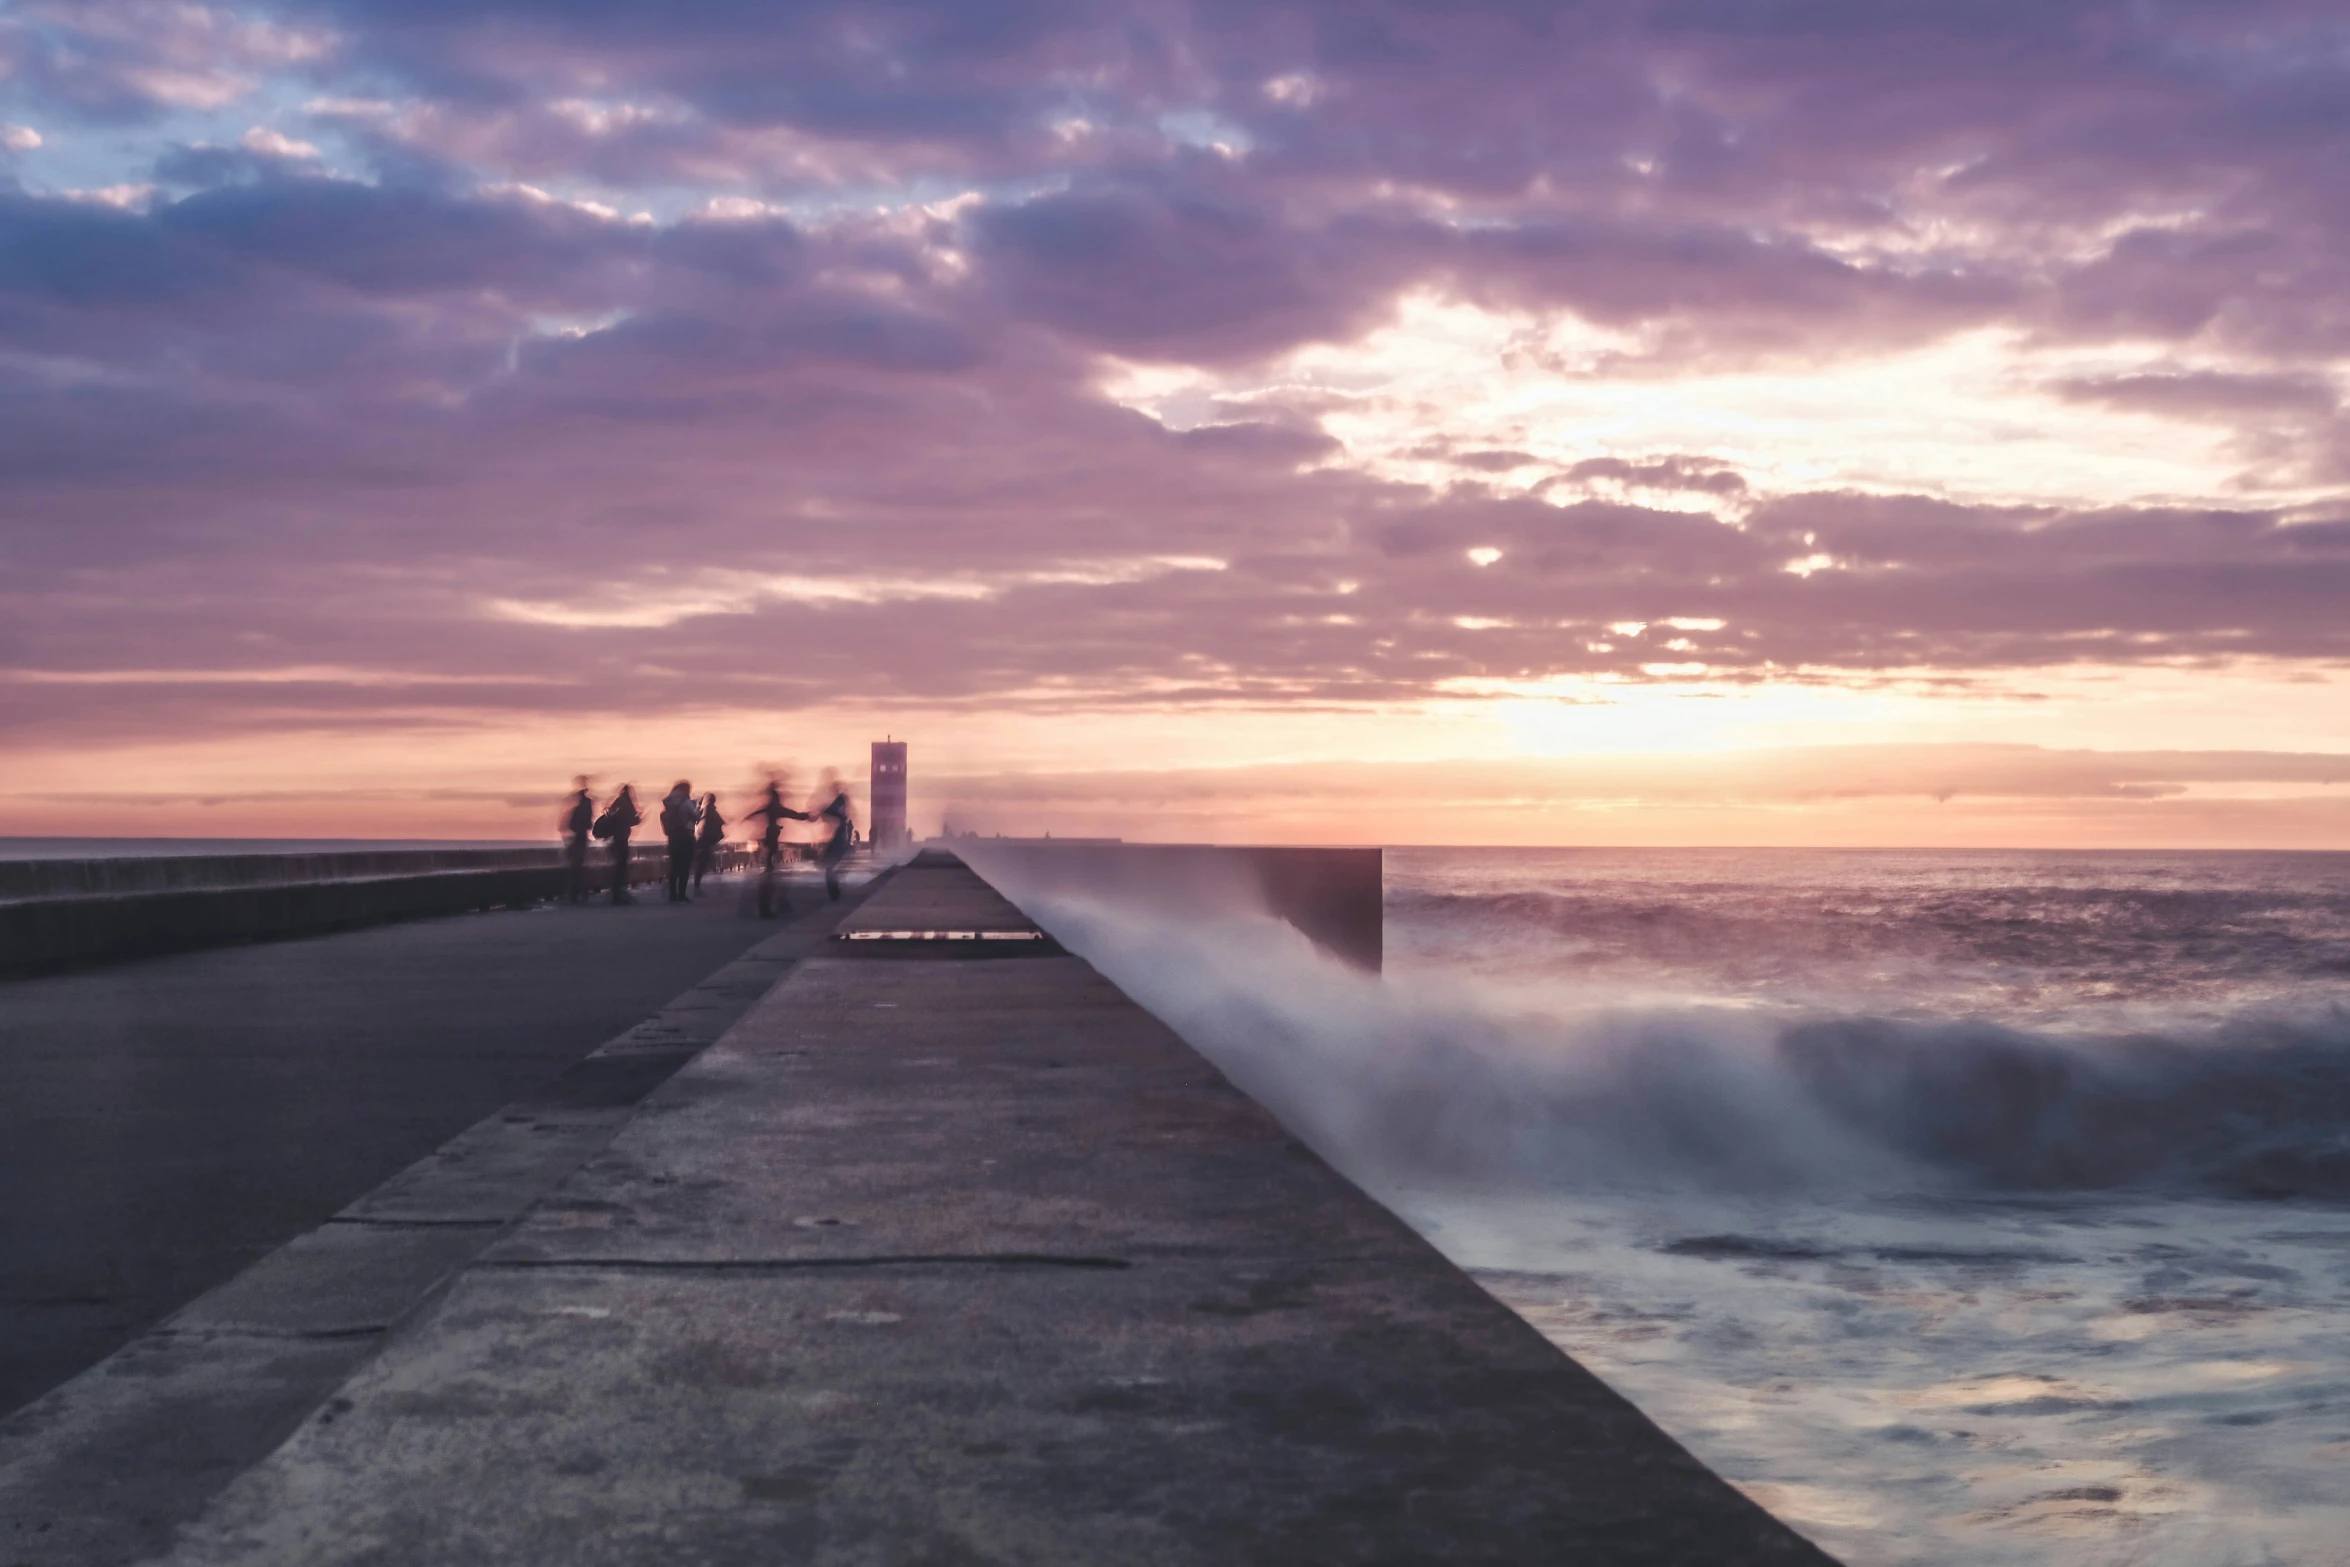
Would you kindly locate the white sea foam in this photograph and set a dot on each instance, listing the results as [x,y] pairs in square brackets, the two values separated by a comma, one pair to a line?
[2008,1230]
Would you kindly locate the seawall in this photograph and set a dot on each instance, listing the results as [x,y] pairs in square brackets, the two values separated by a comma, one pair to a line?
[1333,895]
[105,875]
[63,914]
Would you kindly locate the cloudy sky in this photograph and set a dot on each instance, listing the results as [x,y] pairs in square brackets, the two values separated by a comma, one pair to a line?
[1858,421]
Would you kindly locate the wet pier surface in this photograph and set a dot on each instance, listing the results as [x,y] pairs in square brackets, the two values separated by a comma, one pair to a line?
[945,1252]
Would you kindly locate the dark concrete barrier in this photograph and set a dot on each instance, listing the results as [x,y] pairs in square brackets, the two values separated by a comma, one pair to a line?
[1335,896]
[170,872]
[42,935]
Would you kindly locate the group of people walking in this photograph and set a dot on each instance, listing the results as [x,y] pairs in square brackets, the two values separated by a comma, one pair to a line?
[695,832]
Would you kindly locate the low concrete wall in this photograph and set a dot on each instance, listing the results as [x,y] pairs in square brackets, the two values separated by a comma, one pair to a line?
[47,934]
[170,872]
[1335,896]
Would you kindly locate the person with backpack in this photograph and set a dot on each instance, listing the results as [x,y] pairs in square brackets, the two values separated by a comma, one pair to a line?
[579,821]
[679,817]
[614,827]
[707,842]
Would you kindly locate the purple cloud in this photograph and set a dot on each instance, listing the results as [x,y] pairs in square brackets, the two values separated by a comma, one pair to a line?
[736,354]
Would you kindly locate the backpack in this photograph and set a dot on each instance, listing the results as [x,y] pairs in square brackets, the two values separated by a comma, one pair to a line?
[603,827]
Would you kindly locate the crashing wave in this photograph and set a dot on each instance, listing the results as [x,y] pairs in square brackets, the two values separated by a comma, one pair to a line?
[1431,1080]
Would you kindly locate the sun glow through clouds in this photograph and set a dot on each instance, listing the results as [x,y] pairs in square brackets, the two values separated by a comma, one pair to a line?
[1235,402]
[1978,417]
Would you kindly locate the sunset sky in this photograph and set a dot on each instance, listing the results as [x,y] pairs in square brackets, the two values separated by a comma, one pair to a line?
[1699,421]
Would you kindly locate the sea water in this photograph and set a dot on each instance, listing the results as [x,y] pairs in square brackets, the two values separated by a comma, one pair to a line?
[1962,1208]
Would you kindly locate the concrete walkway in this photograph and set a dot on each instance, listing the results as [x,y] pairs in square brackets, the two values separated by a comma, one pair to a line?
[948,1256]
[104,1468]
[170,1121]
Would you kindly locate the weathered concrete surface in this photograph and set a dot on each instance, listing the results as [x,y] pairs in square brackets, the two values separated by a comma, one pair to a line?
[105,1467]
[969,1262]
[936,900]
[168,1122]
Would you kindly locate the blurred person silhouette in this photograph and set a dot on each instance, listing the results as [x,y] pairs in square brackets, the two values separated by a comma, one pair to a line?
[614,827]
[843,835]
[579,820]
[772,813]
[707,842]
[679,817]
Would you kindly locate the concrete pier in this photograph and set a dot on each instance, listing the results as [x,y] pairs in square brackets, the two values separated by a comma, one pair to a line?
[939,1260]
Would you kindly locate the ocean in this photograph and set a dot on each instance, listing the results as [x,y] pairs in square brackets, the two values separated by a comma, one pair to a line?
[1962,1208]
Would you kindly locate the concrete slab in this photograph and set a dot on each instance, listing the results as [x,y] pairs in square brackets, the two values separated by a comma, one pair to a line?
[106,1469]
[168,1122]
[102,1469]
[935,898]
[491,1172]
[960,1262]
[340,1281]
[1176,1414]
[951,1107]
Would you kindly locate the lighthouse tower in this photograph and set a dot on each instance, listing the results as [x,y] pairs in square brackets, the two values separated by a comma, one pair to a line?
[889,796]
